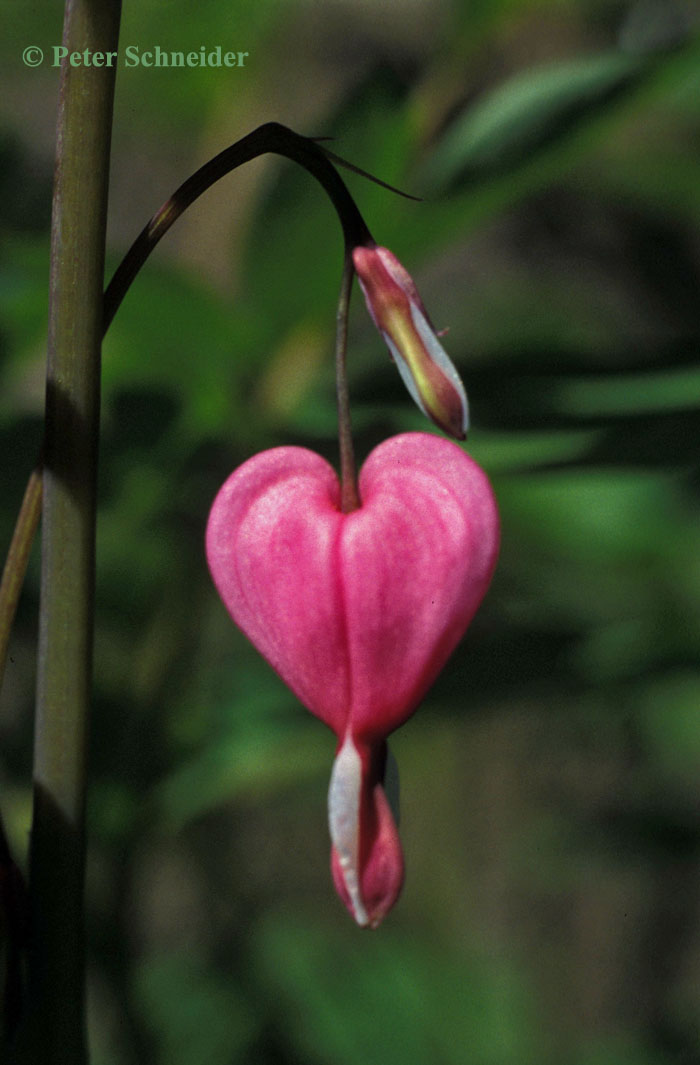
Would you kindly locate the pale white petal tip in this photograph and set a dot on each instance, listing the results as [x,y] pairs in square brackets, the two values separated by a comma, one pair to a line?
[344,823]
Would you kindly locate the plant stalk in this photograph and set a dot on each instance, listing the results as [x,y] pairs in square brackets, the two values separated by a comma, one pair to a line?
[56,1013]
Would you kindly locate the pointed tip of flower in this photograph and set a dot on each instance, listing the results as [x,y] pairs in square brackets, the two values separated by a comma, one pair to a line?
[398,312]
[366,858]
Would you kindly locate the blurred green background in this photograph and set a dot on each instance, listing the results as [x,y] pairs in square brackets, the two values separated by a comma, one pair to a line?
[551,780]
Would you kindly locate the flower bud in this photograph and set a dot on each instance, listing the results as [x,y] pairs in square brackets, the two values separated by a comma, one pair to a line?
[399,315]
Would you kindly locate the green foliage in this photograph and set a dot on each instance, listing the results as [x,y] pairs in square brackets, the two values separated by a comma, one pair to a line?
[528,112]
[550,781]
[193,1014]
[347,1000]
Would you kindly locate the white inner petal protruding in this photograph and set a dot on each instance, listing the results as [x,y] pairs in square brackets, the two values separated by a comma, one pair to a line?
[344,821]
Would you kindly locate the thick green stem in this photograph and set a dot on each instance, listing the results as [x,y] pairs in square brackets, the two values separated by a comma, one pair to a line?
[57,861]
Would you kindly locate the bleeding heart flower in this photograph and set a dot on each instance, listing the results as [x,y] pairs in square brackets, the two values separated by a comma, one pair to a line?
[357,611]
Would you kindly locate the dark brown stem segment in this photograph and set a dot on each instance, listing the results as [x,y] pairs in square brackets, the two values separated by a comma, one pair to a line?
[54,1032]
[349,495]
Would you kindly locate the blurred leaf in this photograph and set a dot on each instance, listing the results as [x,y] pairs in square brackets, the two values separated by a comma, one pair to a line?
[195,1014]
[597,514]
[677,389]
[623,1050]
[174,333]
[529,112]
[256,764]
[24,265]
[671,723]
[509,452]
[386,998]
[478,194]
[624,647]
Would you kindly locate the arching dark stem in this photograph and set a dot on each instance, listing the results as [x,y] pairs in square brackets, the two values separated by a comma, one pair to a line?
[272,137]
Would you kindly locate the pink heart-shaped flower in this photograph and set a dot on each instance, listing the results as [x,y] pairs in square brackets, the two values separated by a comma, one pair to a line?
[357,612]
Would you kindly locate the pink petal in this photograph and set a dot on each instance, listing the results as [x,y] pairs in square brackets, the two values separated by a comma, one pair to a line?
[417,558]
[272,546]
[357,612]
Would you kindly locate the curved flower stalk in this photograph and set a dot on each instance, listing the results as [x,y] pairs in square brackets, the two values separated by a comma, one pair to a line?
[358,611]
